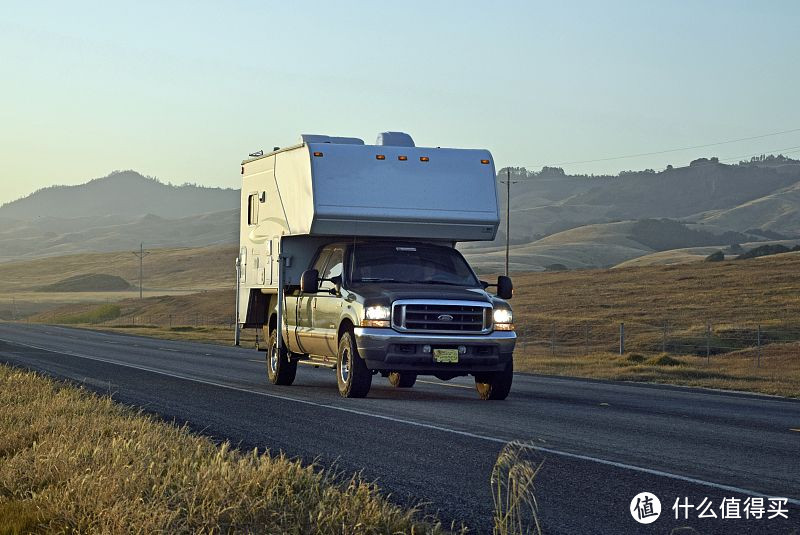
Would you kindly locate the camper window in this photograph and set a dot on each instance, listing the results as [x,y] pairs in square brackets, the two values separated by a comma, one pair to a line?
[252,209]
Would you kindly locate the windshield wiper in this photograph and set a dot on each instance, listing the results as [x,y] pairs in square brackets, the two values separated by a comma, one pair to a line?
[376,279]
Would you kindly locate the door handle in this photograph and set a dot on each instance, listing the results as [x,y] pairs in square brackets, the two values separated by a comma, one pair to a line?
[314,303]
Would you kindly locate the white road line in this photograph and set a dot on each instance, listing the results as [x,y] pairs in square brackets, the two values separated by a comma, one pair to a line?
[168,349]
[552,451]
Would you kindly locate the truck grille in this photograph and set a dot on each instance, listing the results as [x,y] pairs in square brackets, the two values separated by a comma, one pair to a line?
[442,316]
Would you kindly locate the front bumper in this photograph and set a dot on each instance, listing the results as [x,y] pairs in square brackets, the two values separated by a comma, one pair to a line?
[387,349]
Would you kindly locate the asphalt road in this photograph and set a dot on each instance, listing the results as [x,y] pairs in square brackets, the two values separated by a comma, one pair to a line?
[601,442]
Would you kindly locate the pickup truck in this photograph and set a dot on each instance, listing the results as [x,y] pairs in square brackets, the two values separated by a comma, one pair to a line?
[396,308]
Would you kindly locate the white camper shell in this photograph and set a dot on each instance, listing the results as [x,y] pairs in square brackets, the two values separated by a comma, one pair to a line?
[295,198]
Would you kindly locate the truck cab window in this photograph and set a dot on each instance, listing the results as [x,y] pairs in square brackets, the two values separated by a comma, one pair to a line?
[252,209]
[333,269]
[319,265]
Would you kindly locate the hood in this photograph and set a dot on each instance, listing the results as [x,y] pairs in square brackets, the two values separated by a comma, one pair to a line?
[385,293]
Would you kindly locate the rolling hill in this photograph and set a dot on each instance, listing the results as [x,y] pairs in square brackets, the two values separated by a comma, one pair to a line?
[116,213]
[556,219]
[122,193]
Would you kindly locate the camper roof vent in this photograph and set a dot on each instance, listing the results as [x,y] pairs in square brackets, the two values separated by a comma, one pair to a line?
[395,139]
[317,138]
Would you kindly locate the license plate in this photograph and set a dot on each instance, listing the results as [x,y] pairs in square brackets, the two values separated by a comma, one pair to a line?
[445,355]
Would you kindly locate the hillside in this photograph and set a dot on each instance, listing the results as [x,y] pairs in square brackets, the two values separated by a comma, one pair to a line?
[778,211]
[164,269]
[56,236]
[557,219]
[122,193]
[549,201]
[606,245]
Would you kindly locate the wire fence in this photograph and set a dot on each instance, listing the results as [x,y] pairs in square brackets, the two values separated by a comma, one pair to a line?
[171,321]
[571,338]
[559,338]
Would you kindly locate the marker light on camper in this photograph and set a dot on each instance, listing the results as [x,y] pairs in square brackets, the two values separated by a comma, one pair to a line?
[424,159]
[318,154]
[380,156]
[485,162]
[402,158]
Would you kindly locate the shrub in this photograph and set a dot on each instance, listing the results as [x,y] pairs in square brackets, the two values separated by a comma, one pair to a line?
[764,250]
[717,256]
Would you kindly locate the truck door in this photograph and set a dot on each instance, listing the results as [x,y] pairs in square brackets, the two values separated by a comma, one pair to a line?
[325,316]
[309,339]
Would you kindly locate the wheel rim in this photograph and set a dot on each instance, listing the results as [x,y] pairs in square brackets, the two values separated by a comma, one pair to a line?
[344,365]
[273,359]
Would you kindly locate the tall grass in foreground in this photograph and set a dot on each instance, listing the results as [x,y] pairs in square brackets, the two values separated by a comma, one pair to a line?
[71,461]
[515,507]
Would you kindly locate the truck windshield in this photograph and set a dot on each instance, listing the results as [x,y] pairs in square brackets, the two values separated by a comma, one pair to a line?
[410,264]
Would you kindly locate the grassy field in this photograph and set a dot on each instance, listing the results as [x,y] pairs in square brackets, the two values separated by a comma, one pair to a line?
[76,462]
[765,290]
[166,272]
[568,322]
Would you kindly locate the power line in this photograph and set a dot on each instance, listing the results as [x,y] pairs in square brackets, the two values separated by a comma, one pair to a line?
[672,150]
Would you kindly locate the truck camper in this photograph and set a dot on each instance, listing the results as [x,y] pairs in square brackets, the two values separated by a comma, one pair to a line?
[347,260]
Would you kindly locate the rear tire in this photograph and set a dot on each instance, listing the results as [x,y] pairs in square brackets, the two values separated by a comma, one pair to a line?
[281,370]
[402,379]
[495,385]
[352,375]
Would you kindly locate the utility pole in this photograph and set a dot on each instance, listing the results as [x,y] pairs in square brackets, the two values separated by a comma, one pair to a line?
[140,254]
[508,212]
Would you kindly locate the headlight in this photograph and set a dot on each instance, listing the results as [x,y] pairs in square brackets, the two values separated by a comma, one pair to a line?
[378,313]
[503,319]
[376,316]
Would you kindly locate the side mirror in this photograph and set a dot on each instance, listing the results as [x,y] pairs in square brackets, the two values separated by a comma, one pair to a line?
[309,281]
[505,288]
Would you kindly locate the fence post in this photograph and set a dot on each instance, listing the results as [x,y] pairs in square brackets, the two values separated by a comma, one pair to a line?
[553,341]
[170,321]
[708,341]
[622,338]
[758,351]
[587,338]
[664,339]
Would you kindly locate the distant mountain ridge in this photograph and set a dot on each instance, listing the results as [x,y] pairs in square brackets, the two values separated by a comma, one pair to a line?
[122,193]
[572,220]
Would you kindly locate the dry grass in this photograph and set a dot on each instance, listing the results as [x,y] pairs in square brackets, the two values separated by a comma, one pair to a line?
[778,373]
[188,268]
[734,296]
[74,462]
[765,290]
[515,506]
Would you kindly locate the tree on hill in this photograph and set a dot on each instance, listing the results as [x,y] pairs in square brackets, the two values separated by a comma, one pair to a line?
[764,250]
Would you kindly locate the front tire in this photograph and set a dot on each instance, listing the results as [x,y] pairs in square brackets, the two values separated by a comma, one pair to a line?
[281,370]
[352,374]
[402,379]
[495,385]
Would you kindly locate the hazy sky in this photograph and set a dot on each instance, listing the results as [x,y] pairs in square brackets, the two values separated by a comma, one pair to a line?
[184,90]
